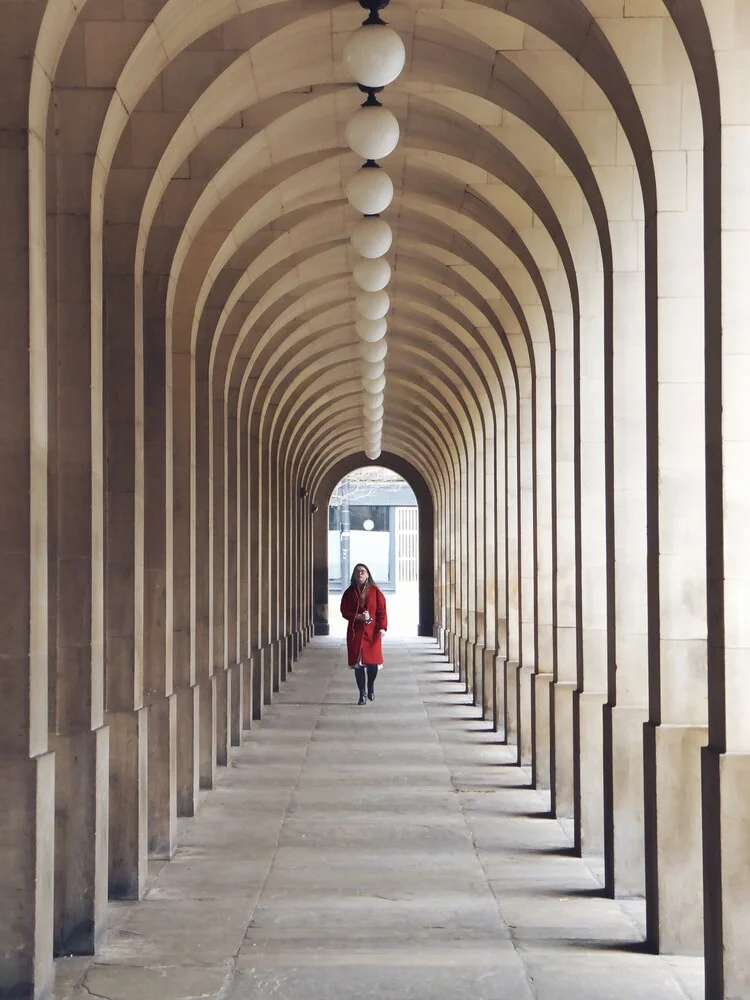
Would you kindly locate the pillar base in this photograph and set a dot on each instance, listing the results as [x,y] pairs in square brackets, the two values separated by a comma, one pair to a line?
[562,784]
[188,749]
[267,661]
[246,712]
[488,686]
[27,788]
[258,684]
[128,803]
[207,700]
[525,715]
[498,693]
[726,863]
[512,671]
[624,857]
[236,701]
[81,844]
[541,767]
[162,777]
[590,761]
[223,708]
[674,857]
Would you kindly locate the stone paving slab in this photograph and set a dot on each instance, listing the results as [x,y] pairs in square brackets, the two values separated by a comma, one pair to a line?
[386,852]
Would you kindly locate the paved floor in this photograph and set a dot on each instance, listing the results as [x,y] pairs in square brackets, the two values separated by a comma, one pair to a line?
[389,851]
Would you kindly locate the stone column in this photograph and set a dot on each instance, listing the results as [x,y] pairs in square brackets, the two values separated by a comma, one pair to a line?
[27,769]
[126,714]
[567,584]
[186,690]
[158,596]
[726,760]
[678,715]
[233,657]
[218,577]
[76,554]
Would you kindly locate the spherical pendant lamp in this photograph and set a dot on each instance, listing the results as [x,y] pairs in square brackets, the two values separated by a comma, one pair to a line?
[370,330]
[372,453]
[372,275]
[374,55]
[373,385]
[374,352]
[372,402]
[372,369]
[372,305]
[372,237]
[370,191]
[375,426]
[372,132]
[374,415]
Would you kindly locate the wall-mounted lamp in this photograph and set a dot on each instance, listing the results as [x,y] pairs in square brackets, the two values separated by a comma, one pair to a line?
[313,508]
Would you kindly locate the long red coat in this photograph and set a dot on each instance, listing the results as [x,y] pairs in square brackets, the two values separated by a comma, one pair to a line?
[360,637]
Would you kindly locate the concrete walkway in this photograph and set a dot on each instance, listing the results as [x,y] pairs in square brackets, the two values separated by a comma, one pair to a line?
[389,851]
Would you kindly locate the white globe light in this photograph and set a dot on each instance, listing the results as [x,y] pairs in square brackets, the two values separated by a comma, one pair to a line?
[370,191]
[375,417]
[372,237]
[373,385]
[372,402]
[373,305]
[372,453]
[372,369]
[372,132]
[374,352]
[376,426]
[370,330]
[374,55]
[372,437]
[372,275]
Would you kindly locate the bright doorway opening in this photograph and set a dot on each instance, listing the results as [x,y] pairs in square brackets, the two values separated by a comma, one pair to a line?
[373,518]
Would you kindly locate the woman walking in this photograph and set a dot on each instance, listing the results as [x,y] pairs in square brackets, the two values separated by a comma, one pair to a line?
[363,606]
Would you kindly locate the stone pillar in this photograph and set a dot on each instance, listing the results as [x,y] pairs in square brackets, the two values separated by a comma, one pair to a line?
[186,691]
[678,679]
[158,591]
[27,769]
[218,748]
[726,761]
[76,557]
[126,715]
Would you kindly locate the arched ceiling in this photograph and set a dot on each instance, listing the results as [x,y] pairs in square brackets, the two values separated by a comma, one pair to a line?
[214,136]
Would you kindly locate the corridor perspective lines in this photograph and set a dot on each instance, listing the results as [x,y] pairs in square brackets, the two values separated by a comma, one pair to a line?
[391,851]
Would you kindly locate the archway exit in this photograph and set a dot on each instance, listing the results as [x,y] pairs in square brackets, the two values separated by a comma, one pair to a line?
[373,518]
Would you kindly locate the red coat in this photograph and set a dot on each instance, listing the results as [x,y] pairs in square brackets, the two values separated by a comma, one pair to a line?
[360,637]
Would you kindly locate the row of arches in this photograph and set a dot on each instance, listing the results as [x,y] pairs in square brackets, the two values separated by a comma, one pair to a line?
[566,391]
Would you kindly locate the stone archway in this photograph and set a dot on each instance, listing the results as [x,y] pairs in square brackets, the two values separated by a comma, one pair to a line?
[421,490]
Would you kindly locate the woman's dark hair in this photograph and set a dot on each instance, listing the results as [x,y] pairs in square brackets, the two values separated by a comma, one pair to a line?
[370,581]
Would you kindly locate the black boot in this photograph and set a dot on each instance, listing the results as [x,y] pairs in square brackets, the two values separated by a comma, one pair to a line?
[372,673]
[359,673]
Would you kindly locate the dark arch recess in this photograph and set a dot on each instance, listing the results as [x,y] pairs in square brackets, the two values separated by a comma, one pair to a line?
[426,537]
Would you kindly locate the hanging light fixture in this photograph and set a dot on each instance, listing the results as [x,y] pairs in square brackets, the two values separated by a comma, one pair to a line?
[373,131]
[370,191]
[372,305]
[372,275]
[373,352]
[372,402]
[372,369]
[374,54]
[372,237]
[371,330]
[374,385]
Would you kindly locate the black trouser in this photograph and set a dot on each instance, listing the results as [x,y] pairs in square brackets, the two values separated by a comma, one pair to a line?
[372,673]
